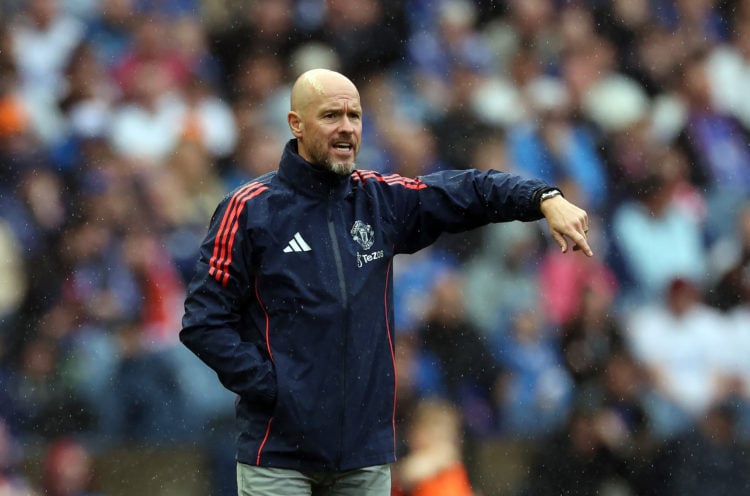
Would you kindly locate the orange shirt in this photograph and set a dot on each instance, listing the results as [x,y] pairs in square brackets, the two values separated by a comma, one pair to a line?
[453,481]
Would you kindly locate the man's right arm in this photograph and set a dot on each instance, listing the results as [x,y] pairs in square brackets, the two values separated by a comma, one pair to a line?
[217,292]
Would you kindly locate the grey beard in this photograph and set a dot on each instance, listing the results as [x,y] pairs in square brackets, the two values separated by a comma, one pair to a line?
[342,169]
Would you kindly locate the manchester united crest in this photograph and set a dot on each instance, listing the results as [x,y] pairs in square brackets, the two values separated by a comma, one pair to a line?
[363,234]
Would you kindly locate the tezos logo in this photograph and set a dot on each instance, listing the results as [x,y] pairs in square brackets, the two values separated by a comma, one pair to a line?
[363,234]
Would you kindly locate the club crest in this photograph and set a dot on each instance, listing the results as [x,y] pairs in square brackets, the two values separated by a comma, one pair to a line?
[363,234]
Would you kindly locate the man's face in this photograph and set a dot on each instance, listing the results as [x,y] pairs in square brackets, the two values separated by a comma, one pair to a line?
[329,128]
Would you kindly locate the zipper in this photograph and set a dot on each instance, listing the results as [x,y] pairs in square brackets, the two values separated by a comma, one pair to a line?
[337,255]
[345,331]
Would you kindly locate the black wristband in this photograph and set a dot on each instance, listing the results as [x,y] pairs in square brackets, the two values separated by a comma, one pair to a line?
[548,192]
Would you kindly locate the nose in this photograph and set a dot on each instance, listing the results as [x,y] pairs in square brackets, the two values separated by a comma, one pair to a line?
[346,125]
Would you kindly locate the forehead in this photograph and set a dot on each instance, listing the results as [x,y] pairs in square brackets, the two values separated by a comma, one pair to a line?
[337,100]
[334,91]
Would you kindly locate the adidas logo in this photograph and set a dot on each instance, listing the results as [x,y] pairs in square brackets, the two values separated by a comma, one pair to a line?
[297,244]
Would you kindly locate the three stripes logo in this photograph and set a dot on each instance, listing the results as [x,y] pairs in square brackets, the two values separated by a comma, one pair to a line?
[297,244]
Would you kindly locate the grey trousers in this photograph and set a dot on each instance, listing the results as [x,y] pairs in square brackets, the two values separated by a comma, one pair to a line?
[265,481]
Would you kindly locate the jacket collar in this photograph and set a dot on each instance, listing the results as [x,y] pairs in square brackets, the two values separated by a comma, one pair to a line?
[308,179]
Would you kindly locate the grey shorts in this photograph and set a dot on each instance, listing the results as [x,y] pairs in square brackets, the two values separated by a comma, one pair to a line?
[265,481]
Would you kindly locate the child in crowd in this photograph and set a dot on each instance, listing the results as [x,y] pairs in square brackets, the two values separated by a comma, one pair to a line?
[433,465]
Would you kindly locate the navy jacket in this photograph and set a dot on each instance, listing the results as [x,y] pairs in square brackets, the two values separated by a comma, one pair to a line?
[292,301]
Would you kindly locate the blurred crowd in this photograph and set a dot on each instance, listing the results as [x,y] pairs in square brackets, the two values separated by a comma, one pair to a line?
[124,122]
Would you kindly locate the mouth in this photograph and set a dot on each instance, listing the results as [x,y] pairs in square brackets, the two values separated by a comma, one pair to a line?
[343,146]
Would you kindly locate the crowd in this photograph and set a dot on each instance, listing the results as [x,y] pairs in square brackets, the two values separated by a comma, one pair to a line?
[123,122]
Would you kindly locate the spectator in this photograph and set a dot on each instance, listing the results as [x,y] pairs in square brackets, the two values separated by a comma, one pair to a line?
[262,27]
[455,143]
[191,43]
[728,69]
[110,32]
[537,391]
[258,93]
[48,404]
[13,274]
[67,469]
[591,337]
[37,214]
[624,393]
[552,146]
[715,145]
[413,149]
[433,465]
[86,108]
[364,33]
[730,264]
[87,82]
[415,277]
[590,467]
[151,51]
[469,373]
[676,340]
[179,196]
[158,284]
[626,22]
[418,377]
[706,460]
[621,420]
[12,481]
[502,279]
[696,25]
[738,347]
[44,37]
[669,242]
[532,24]
[452,45]
[207,119]
[254,155]
[147,127]
[150,407]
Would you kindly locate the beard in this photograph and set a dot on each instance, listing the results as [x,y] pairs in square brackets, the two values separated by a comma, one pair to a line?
[321,157]
[340,168]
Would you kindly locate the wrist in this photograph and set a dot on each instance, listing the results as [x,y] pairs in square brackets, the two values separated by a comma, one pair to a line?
[546,193]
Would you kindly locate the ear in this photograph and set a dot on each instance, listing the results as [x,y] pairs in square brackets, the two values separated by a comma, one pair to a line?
[295,124]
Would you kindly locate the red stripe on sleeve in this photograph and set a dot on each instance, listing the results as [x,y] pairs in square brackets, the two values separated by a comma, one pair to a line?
[222,254]
[219,241]
[391,179]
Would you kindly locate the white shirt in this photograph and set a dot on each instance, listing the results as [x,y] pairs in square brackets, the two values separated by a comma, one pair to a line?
[684,351]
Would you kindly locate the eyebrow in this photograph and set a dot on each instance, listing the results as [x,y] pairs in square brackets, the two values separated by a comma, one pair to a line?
[340,108]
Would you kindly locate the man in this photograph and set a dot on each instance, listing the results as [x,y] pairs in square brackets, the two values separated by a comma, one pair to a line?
[291,304]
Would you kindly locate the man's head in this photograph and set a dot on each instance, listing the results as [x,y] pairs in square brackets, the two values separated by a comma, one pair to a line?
[326,119]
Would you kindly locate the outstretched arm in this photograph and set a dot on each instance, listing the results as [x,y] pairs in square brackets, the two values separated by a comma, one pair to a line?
[567,221]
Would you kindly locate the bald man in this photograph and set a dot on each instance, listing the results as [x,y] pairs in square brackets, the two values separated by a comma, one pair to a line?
[292,300]
[326,119]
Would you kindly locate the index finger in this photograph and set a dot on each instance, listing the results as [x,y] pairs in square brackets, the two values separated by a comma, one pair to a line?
[582,244]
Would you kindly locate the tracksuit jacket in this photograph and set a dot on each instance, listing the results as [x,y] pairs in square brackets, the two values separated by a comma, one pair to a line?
[292,300]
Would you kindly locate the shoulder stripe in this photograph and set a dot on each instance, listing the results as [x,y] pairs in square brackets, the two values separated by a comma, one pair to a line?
[391,179]
[220,240]
[222,254]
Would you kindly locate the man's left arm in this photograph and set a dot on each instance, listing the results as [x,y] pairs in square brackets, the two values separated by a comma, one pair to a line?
[456,201]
